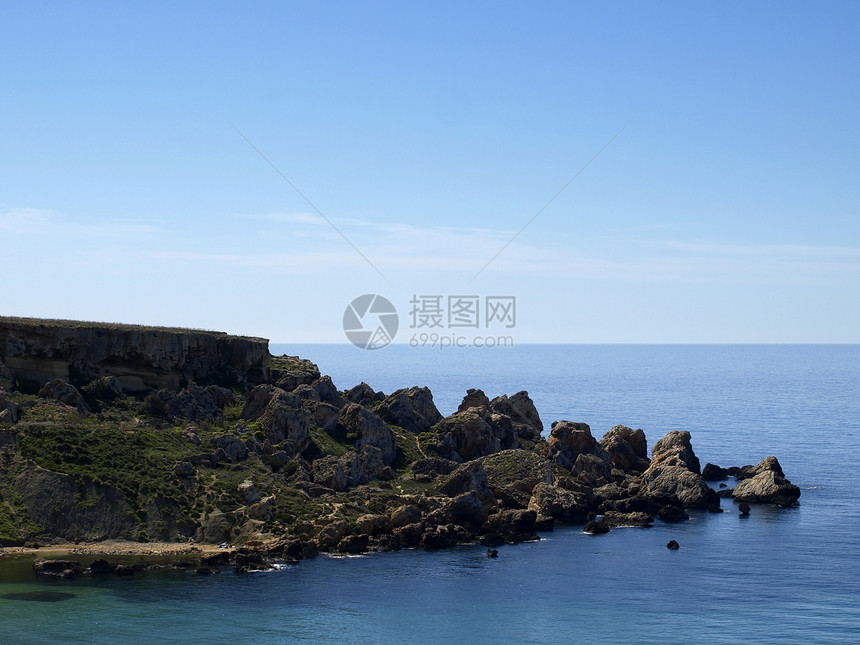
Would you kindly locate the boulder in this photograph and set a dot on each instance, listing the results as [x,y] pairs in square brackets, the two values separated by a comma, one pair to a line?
[560,504]
[672,545]
[464,436]
[674,472]
[744,509]
[349,470]
[467,510]
[522,412]
[65,393]
[229,448]
[326,391]
[426,470]
[60,568]
[353,544]
[520,470]
[712,473]
[626,448]
[674,449]
[286,422]
[373,524]
[248,492]
[193,403]
[568,440]
[412,409]
[403,515]
[596,527]
[332,534]
[768,486]
[366,429]
[592,470]
[615,519]
[470,477]
[363,394]
[183,469]
[509,526]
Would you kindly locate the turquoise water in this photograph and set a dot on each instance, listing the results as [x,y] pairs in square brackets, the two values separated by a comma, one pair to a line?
[779,576]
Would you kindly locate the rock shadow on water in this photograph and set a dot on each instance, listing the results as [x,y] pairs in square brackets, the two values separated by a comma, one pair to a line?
[39,596]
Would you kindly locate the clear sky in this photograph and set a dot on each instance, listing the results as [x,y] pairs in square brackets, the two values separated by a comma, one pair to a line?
[429,134]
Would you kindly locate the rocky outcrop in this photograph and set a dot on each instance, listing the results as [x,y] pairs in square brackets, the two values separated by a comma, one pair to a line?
[513,474]
[38,351]
[568,440]
[363,428]
[674,473]
[7,381]
[9,410]
[522,412]
[768,486]
[412,409]
[627,449]
[64,393]
[284,417]
[350,470]
[466,435]
[560,504]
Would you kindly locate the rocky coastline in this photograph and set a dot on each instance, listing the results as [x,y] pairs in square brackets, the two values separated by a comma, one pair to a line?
[197,439]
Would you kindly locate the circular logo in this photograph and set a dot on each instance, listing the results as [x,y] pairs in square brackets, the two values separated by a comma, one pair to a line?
[370,321]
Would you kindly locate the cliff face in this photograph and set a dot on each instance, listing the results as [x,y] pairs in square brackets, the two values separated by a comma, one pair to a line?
[37,351]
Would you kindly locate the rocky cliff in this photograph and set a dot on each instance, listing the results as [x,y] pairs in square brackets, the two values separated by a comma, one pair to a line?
[37,351]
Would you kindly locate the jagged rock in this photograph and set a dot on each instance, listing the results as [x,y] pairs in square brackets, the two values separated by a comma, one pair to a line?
[327,391]
[609,492]
[627,448]
[363,394]
[307,393]
[674,449]
[248,492]
[215,527]
[674,472]
[412,409]
[141,358]
[288,372]
[366,429]
[220,559]
[10,411]
[768,486]
[349,470]
[353,544]
[332,534]
[101,566]
[519,470]
[474,399]
[183,469]
[60,568]
[287,422]
[560,504]
[467,509]
[230,448]
[615,519]
[522,412]
[592,470]
[263,509]
[373,524]
[325,416]
[568,440]
[65,393]
[712,473]
[426,470]
[596,527]
[406,514]
[672,513]
[410,534]
[194,403]
[467,478]
[467,435]
[442,537]
[509,526]
[248,561]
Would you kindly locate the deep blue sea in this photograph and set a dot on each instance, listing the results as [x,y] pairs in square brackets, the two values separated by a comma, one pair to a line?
[790,575]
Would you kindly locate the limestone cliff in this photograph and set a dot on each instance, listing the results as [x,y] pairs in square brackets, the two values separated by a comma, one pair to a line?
[37,351]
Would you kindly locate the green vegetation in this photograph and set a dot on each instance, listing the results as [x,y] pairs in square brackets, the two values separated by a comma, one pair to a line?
[48,322]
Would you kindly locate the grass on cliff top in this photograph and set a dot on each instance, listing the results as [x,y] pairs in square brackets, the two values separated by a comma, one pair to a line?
[73,324]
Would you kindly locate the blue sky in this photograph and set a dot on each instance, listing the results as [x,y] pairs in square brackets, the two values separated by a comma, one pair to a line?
[429,134]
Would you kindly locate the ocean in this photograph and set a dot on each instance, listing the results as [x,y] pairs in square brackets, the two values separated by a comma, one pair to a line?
[780,575]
